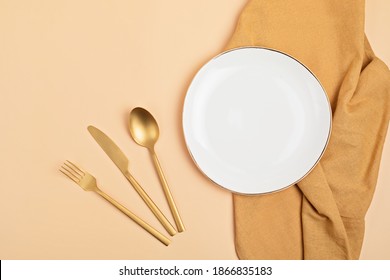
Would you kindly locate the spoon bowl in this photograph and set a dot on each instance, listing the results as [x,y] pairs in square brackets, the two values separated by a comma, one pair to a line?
[143,128]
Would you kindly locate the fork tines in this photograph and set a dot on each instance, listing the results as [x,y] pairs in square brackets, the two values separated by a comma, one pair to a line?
[72,171]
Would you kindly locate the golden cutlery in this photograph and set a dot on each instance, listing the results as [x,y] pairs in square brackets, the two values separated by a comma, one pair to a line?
[88,183]
[121,161]
[145,132]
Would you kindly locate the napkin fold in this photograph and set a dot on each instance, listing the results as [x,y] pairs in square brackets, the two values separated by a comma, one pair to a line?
[322,217]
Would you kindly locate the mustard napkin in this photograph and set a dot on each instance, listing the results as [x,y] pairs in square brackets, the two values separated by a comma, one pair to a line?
[322,217]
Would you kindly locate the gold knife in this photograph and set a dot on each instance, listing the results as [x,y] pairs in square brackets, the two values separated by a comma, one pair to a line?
[121,161]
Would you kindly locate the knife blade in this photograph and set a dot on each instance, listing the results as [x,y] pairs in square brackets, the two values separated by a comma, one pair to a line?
[122,162]
[110,148]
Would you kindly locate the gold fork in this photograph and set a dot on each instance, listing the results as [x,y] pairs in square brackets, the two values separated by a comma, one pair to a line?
[88,183]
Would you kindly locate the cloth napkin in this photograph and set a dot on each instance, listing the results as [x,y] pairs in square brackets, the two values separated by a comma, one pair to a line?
[322,217]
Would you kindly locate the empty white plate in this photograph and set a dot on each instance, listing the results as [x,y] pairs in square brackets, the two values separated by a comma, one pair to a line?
[256,120]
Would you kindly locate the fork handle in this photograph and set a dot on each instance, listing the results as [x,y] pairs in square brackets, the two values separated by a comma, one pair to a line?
[135,218]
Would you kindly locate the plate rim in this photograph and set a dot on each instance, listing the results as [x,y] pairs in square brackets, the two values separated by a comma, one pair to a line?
[319,157]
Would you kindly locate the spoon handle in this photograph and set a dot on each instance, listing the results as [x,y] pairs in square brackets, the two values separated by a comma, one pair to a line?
[168,194]
[135,218]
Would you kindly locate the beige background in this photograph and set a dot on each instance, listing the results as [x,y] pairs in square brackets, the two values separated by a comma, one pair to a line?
[67,64]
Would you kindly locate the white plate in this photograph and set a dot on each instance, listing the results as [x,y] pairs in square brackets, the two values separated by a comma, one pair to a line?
[256,120]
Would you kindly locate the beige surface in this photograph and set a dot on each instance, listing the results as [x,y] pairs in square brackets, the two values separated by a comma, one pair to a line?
[67,64]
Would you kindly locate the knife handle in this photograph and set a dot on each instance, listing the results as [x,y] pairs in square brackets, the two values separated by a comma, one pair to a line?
[152,206]
[135,218]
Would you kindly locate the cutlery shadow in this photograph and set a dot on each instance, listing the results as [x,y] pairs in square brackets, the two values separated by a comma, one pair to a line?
[125,120]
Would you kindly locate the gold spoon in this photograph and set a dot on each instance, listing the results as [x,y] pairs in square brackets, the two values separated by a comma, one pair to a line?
[145,132]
